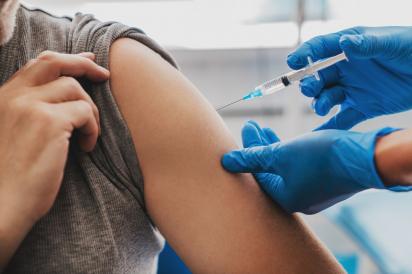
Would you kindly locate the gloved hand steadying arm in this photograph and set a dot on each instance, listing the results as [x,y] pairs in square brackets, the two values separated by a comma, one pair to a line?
[312,172]
[377,79]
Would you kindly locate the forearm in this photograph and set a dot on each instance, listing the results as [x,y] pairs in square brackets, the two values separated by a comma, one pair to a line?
[14,225]
[393,157]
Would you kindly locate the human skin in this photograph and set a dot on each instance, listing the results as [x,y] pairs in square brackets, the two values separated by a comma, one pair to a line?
[217,222]
[8,10]
[393,158]
[282,251]
[32,167]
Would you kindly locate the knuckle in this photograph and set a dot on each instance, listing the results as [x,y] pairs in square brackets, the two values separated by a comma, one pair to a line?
[53,63]
[14,105]
[25,69]
[71,84]
[30,63]
[317,45]
[88,62]
[19,103]
[359,29]
[49,58]
[85,107]
[47,55]
[40,114]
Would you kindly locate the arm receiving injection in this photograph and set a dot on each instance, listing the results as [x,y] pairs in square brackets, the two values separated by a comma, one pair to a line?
[217,222]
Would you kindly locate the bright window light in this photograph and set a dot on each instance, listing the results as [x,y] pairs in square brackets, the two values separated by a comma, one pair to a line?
[349,13]
[201,24]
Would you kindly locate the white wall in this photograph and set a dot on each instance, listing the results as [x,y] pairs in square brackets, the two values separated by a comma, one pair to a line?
[224,75]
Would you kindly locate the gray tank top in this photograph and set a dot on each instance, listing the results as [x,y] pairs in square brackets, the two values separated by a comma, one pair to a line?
[98,223]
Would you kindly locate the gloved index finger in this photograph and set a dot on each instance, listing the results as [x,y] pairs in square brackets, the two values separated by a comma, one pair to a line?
[262,159]
[250,135]
[271,135]
[254,135]
[317,48]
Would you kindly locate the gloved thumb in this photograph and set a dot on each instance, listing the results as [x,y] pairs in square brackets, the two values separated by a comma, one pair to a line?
[261,159]
[345,119]
[365,46]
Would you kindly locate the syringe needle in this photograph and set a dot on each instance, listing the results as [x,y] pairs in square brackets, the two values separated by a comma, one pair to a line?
[232,103]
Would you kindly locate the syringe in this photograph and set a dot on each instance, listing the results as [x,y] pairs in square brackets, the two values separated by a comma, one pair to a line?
[287,79]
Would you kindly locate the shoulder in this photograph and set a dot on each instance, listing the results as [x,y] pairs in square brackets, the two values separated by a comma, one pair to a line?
[179,140]
[38,15]
[140,75]
[132,53]
[89,34]
[37,30]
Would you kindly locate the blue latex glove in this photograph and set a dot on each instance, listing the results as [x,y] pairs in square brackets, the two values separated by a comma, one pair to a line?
[377,79]
[312,172]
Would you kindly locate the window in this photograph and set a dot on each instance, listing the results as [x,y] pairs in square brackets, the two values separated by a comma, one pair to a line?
[198,24]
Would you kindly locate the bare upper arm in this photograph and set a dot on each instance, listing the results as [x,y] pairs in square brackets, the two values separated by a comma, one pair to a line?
[217,222]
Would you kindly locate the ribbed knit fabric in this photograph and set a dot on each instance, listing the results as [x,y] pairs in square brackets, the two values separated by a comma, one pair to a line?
[98,223]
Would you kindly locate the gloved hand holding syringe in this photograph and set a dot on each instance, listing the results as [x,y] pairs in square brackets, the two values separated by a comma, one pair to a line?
[287,79]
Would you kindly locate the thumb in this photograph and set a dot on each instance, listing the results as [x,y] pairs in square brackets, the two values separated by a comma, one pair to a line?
[262,159]
[366,46]
[345,119]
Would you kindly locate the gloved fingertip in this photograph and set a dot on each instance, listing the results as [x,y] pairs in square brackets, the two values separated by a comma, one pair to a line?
[351,44]
[230,161]
[306,88]
[271,135]
[252,123]
[294,61]
[251,136]
[248,125]
[226,161]
[320,106]
[355,40]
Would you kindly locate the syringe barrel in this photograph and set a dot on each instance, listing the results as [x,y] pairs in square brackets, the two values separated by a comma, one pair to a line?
[322,64]
[271,86]
[285,80]
[298,75]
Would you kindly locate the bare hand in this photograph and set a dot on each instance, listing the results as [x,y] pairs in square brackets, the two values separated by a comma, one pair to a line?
[40,107]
